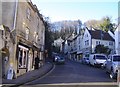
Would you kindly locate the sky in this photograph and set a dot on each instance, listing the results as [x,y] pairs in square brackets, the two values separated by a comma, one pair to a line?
[58,10]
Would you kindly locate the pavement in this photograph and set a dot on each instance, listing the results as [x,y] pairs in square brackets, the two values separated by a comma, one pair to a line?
[28,77]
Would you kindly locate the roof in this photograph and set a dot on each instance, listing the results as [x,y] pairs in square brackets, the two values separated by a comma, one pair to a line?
[71,37]
[99,34]
[59,40]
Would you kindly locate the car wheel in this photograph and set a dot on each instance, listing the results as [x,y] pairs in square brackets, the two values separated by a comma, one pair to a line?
[112,75]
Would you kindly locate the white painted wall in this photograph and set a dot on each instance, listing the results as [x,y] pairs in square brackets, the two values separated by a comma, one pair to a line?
[117,40]
[86,37]
[79,44]
[103,42]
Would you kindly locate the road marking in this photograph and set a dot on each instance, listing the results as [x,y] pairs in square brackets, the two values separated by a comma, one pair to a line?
[95,83]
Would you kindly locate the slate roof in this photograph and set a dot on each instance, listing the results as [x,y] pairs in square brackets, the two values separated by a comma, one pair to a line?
[98,34]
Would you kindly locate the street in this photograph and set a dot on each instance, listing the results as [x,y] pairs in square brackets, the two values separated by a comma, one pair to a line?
[74,72]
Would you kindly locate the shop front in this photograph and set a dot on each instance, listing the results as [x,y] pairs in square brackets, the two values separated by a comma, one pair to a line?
[22,58]
[74,55]
[79,55]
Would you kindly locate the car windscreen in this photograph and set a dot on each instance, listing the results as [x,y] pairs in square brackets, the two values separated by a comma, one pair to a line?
[100,57]
[116,58]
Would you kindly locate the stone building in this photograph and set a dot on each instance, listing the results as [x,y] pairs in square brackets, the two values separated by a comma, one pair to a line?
[26,28]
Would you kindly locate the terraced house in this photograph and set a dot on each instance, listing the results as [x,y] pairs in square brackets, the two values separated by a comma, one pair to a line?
[82,45]
[23,34]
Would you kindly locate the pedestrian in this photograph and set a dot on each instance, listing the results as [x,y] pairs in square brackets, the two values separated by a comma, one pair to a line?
[37,60]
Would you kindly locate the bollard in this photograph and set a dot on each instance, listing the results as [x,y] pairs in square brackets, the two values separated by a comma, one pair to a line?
[118,76]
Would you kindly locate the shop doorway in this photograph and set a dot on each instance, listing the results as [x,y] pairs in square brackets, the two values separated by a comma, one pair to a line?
[5,61]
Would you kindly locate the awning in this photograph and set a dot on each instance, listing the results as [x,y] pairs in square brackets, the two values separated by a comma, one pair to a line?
[73,52]
[35,48]
[80,52]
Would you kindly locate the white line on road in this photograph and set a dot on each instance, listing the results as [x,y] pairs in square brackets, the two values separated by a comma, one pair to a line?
[95,83]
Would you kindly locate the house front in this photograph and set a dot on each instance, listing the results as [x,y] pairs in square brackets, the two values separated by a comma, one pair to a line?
[27,29]
[87,47]
[58,43]
[93,37]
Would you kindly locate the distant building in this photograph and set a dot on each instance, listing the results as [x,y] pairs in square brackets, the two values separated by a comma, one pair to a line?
[83,44]
[58,43]
[94,37]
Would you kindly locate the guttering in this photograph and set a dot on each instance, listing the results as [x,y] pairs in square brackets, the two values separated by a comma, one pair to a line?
[15,16]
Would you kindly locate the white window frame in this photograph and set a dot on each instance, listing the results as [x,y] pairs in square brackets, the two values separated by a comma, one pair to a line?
[23,62]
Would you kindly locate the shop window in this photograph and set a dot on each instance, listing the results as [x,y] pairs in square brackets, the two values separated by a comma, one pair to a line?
[22,58]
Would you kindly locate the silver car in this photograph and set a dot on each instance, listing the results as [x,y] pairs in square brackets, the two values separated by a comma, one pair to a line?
[112,64]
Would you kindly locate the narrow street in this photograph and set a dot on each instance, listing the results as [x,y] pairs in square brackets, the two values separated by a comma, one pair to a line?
[74,72]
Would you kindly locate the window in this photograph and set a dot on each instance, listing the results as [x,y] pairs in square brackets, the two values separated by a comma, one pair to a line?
[111,43]
[87,35]
[79,40]
[36,38]
[28,13]
[22,58]
[116,58]
[87,42]
[79,47]
[97,42]
[100,57]
[68,44]
[38,22]
[27,33]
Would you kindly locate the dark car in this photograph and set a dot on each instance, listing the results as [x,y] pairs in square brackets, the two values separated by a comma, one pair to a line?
[54,55]
[59,60]
[85,60]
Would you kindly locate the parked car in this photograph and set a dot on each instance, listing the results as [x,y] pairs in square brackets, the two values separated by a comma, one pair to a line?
[97,59]
[104,64]
[113,62]
[85,60]
[54,55]
[59,60]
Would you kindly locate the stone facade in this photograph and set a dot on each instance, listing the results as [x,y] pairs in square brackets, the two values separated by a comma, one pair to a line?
[27,31]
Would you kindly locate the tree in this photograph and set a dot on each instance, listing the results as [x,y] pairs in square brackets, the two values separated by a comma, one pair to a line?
[48,36]
[64,29]
[102,49]
[106,25]
[92,23]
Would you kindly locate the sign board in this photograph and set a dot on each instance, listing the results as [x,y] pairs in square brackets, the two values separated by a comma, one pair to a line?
[10,74]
